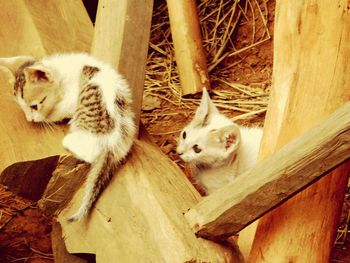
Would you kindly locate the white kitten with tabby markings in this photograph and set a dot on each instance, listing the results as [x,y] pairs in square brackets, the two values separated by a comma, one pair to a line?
[93,96]
[217,149]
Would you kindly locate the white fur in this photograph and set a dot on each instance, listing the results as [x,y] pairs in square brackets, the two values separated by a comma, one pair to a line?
[217,165]
[66,70]
[216,177]
[84,145]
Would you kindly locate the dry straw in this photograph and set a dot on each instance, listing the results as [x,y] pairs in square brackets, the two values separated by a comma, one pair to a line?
[219,20]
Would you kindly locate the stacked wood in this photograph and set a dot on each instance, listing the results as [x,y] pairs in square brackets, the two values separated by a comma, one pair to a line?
[139,216]
[132,219]
[25,31]
[311,80]
[189,51]
[118,25]
[30,151]
[274,180]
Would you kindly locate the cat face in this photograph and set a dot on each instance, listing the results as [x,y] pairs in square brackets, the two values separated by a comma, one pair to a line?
[210,139]
[35,88]
[38,94]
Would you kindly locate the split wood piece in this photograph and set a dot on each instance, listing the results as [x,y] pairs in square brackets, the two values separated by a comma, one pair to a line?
[25,31]
[189,52]
[29,179]
[275,179]
[43,26]
[142,208]
[311,80]
[70,173]
[121,38]
[59,250]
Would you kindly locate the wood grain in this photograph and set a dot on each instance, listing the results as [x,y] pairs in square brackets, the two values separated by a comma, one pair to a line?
[142,208]
[59,250]
[189,52]
[123,29]
[25,31]
[275,179]
[311,80]
[139,216]
[30,151]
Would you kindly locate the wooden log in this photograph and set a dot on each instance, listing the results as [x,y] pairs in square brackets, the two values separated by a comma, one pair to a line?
[118,24]
[30,152]
[139,216]
[22,32]
[189,51]
[311,80]
[134,211]
[59,250]
[274,180]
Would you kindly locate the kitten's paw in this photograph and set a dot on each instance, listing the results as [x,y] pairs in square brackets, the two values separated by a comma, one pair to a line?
[84,146]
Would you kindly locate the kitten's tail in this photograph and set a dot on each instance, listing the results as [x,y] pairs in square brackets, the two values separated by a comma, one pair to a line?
[97,178]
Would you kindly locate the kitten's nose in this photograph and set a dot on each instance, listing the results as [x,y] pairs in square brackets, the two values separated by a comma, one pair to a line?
[179,151]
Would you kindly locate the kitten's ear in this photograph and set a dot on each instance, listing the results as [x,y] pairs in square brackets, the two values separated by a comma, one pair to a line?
[229,137]
[38,74]
[206,108]
[13,63]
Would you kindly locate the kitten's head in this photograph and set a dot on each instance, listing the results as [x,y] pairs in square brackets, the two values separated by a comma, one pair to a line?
[35,88]
[210,139]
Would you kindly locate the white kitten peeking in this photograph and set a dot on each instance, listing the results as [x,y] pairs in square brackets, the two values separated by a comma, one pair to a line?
[90,93]
[217,149]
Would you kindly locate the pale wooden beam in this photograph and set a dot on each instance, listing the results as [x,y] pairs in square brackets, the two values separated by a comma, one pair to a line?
[275,179]
[310,81]
[22,32]
[118,24]
[52,18]
[189,52]
[139,216]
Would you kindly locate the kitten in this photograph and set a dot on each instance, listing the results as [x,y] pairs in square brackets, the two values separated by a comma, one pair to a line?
[91,94]
[217,149]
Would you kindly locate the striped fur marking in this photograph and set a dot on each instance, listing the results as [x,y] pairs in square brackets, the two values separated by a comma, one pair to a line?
[92,114]
[20,80]
[88,73]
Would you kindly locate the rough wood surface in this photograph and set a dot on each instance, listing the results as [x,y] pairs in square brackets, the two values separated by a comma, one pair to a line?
[139,216]
[59,250]
[311,80]
[275,179]
[189,51]
[30,151]
[25,31]
[121,37]
[40,27]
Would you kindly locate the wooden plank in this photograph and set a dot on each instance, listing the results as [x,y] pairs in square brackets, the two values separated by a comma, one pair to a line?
[118,24]
[311,80]
[134,211]
[30,152]
[20,34]
[139,216]
[274,180]
[189,52]
[65,18]
[59,250]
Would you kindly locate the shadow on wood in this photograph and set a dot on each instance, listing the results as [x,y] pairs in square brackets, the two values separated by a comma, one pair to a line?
[140,215]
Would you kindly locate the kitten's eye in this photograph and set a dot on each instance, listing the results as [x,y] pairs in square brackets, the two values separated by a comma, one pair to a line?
[196,148]
[42,101]
[34,107]
[184,135]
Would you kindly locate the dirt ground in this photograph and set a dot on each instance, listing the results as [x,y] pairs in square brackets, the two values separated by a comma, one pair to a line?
[25,230]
